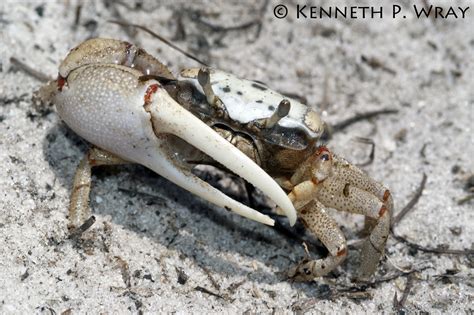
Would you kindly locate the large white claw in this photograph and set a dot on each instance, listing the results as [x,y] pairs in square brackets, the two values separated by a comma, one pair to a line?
[110,107]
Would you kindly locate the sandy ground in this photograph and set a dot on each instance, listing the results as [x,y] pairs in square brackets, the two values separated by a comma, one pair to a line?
[156,248]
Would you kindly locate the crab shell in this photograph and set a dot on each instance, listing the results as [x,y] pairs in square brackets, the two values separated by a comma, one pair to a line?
[284,146]
[247,101]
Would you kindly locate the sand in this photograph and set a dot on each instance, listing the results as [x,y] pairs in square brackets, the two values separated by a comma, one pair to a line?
[156,248]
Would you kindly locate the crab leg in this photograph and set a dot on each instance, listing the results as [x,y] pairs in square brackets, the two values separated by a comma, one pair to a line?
[110,107]
[79,210]
[362,195]
[335,183]
[356,200]
[326,229]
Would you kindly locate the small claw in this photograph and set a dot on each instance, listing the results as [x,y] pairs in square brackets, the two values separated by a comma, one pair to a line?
[169,117]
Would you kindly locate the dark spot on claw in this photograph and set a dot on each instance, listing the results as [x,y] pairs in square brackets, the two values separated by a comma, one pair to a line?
[239,93]
[259,101]
[271,107]
[345,191]
[226,89]
[227,208]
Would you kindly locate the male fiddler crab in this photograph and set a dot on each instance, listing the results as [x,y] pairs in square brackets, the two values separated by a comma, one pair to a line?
[134,110]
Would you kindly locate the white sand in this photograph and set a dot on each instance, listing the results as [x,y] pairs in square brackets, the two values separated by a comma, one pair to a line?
[428,78]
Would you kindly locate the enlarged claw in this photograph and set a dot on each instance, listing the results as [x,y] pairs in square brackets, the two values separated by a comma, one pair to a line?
[138,121]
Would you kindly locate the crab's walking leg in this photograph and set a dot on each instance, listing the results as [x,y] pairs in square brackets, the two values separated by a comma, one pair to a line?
[377,226]
[356,200]
[325,228]
[79,210]
[346,188]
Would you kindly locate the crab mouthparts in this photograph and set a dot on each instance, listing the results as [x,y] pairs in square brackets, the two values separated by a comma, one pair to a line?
[168,116]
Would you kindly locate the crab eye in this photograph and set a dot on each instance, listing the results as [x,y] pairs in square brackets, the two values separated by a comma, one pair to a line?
[324,157]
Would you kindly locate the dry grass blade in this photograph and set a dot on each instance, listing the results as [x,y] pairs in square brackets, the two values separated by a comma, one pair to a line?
[32,72]
[446,251]
[410,205]
[372,150]
[77,233]
[402,239]
[399,305]
[204,290]
[164,40]
[359,117]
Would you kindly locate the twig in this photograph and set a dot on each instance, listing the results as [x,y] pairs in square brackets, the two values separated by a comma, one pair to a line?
[77,233]
[410,205]
[398,305]
[359,117]
[30,71]
[393,277]
[211,278]
[372,150]
[121,21]
[402,239]
[433,250]
[77,15]
[422,151]
[224,29]
[465,199]
[124,271]
[375,63]
[204,290]
[164,40]
[218,28]
[364,285]
[234,286]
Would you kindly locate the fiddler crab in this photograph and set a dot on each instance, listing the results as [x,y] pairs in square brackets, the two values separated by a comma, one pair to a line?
[134,110]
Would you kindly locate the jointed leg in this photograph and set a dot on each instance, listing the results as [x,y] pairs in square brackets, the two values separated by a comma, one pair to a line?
[356,200]
[335,183]
[79,210]
[325,228]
